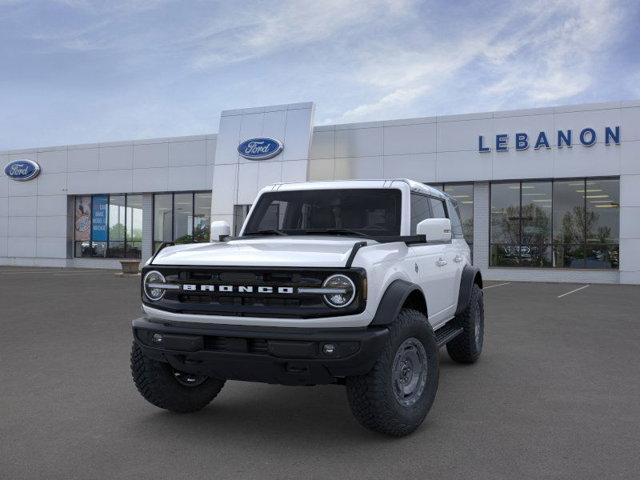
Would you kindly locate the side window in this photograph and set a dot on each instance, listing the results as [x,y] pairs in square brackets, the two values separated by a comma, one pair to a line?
[437,207]
[454,215]
[419,210]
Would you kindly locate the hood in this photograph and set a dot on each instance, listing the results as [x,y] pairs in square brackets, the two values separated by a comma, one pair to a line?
[272,251]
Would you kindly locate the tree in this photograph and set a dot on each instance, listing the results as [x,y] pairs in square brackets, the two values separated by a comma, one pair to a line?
[116,232]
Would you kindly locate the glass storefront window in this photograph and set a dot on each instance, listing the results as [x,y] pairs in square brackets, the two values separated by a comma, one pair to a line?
[505,224]
[535,243]
[108,226]
[603,223]
[183,217]
[201,216]
[134,226]
[117,220]
[563,224]
[569,223]
[162,219]
[82,226]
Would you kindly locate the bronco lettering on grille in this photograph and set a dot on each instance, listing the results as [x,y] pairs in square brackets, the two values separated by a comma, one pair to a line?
[189,287]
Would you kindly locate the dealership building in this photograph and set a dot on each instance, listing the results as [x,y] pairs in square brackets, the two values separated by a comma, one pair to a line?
[548,194]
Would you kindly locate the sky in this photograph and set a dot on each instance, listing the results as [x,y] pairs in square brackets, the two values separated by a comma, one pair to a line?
[80,71]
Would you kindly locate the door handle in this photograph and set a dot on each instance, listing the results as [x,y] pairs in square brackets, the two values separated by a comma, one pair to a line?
[457,258]
[441,262]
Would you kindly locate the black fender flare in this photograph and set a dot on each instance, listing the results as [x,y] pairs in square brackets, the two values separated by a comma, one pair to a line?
[469,276]
[393,299]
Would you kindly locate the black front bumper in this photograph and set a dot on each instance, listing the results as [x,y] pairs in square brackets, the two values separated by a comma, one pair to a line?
[288,356]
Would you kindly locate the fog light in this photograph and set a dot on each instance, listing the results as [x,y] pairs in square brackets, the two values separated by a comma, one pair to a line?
[328,348]
[157,338]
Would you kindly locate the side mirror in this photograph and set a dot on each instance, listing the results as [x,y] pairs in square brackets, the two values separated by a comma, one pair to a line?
[219,230]
[435,229]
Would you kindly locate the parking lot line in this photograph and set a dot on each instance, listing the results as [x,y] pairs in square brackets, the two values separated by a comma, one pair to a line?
[496,285]
[21,272]
[56,273]
[573,291]
[84,273]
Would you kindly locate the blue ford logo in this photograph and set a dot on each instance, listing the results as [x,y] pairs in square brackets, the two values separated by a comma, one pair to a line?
[22,170]
[260,148]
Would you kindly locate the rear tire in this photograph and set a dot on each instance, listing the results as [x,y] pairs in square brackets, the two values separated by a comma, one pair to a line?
[396,395]
[167,388]
[467,347]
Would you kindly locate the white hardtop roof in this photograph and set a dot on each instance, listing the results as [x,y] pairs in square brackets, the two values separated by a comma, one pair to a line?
[345,184]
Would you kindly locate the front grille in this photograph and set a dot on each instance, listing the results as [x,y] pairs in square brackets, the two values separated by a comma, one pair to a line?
[236,345]
[254,304]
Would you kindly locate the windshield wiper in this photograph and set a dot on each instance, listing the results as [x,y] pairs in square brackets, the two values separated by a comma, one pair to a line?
[338,231]
[265,232]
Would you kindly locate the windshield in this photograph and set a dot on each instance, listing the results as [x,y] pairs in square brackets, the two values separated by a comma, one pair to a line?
[360,212]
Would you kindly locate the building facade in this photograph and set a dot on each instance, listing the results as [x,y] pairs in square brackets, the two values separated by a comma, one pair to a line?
[549,194]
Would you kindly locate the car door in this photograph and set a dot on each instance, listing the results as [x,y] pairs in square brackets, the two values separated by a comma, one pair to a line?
[449,262]
[427,263]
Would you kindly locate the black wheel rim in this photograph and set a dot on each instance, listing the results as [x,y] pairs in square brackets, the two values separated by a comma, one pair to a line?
[188,379]
[409,374]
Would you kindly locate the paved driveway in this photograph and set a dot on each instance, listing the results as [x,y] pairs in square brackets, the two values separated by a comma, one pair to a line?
[555,395]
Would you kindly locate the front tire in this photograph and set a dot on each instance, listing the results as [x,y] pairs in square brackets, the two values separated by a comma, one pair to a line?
[396,395]
[467,347]
[170,389]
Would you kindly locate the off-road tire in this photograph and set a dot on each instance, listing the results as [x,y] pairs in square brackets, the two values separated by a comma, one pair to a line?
[371,396]
[465,348]
[157,384]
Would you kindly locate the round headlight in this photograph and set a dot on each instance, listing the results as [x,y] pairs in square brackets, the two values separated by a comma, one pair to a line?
[151,281]
[343,291]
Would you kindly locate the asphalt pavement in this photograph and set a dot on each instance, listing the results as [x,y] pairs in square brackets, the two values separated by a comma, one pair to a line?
[554,396]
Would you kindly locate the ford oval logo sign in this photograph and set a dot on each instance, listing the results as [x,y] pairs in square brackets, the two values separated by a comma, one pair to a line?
[260,148]
[22,170]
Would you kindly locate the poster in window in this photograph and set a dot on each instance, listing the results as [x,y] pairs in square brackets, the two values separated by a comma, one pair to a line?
[83,219]
[99,218]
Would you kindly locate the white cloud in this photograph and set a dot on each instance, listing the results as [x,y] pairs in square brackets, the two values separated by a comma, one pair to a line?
[260,32]
[163,67]
[543,52]
[398,98]
[554,63]
[404,77]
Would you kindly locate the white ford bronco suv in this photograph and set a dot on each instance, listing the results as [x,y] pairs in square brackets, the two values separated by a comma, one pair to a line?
[356,283]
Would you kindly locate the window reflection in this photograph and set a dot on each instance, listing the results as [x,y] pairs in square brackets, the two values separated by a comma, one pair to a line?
[603,223]
[108,226]
[162,219]
[564,224]
[505,224]
[183,217]
[240,213]
[420,210]
[535,243]
[82,226]
[463,194]
[201,217]
[134,226]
